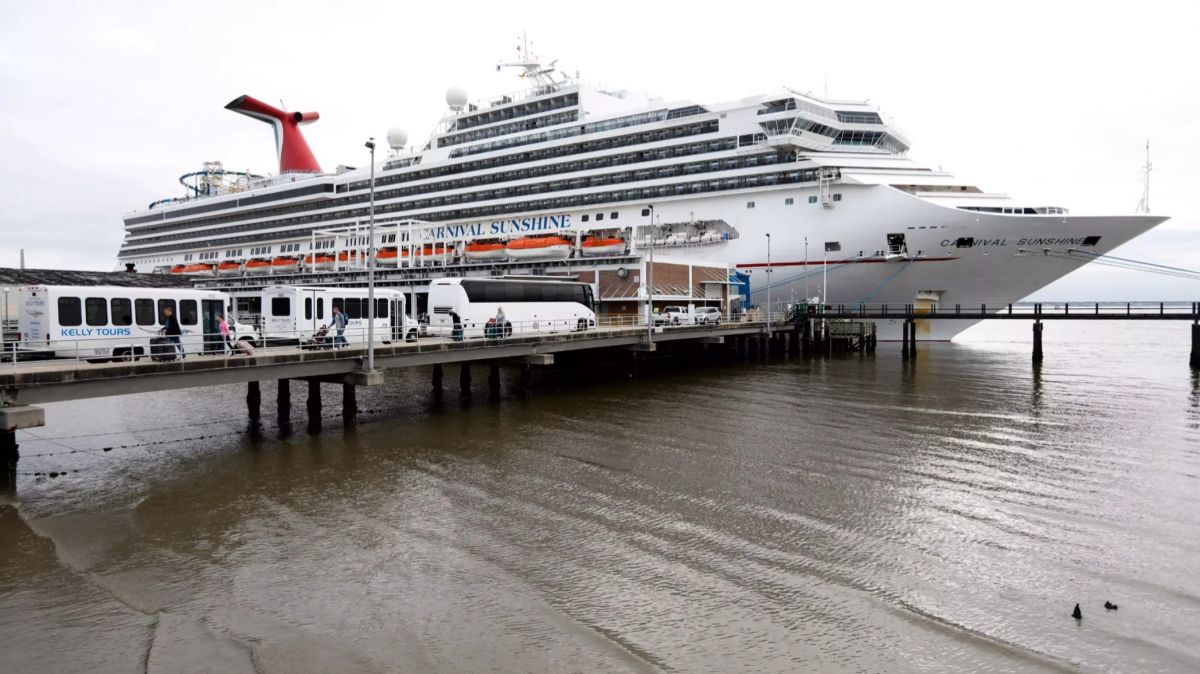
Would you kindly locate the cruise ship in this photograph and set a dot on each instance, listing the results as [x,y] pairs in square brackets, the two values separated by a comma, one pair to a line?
[819,192]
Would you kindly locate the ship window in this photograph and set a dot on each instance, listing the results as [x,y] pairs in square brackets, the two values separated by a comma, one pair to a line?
[281,306]
[599,216]
[789,201]
[187,312]
[585,217]
[69,311]
[96,311]
[812,199]
[144,309]
[613,215]
[837,196]
[749,204]
[122,311]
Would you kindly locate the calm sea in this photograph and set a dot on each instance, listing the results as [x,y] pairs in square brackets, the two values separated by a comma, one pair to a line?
[857,514]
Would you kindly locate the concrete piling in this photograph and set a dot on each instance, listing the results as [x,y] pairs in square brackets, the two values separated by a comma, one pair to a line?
[437,378]
[253,400]
[1037,341]
[314,403]
[349,403]
[464,379]
[283,398]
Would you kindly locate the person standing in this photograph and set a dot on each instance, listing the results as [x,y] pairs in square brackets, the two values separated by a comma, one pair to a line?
[223,331]
[339,324]
[172,331]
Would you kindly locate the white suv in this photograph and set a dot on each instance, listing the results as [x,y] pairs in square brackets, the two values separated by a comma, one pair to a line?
[706,315]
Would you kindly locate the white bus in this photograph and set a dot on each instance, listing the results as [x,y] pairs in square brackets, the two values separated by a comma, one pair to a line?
[292,314]
[101,323]
[530,306]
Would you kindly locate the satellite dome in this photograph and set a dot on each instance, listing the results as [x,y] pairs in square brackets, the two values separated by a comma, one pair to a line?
[397,138]
[456,98]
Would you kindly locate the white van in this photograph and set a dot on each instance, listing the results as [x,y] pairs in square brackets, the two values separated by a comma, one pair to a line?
[292,314]
[530,306]
[101,323]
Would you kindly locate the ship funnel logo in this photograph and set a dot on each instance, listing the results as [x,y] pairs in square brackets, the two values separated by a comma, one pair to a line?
[293,151]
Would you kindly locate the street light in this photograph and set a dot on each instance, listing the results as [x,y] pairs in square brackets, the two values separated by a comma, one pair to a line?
[371,267]
[650,279]
[768,284]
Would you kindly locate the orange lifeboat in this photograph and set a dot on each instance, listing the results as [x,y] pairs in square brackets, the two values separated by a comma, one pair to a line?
[387,257]
[485,250]
[349,258]
[319,261]
[596,245]
[550,247]
[258,266]
[229,268]
[283,264]
[192,269]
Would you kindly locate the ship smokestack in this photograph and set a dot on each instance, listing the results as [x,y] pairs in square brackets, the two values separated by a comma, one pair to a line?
[294,153]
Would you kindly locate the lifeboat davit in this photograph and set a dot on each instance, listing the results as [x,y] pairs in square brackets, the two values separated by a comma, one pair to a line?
[539,248]
[193,269]
[229,268]
[284,264]
[387,257]
[320,261]
[486,250]
[595,245]
[258,266]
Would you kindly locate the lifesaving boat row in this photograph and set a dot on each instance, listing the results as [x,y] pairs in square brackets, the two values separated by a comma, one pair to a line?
[548,247]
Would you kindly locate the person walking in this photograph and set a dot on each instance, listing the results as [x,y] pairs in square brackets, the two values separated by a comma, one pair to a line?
[501,319]
[226,337]
[172,331]
[339,324]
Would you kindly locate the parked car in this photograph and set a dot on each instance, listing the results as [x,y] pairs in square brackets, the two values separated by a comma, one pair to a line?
[678,316]
[707,315]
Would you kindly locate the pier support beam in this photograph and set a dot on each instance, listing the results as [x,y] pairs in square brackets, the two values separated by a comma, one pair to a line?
[464,379]
[1194,360]
[1037,341]
[8,460]
[349,403]
[494,381]
[314,403]
[437,378]
[283,398]
[253,400]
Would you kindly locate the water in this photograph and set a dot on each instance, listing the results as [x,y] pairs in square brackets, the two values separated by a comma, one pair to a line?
[848,515]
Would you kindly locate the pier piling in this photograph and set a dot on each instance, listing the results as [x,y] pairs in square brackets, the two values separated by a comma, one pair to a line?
[349,403]
[526,384]
[253,400]
[8,459]
[464,379]
[1037,341]
[437,377]
[1194,360]
[494,381]
[314,403]
[283,398]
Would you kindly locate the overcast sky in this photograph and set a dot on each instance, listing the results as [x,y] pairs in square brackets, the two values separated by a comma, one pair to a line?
[106,103]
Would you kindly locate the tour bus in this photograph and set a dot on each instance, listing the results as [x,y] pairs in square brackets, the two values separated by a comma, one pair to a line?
[101,323]
[293,314]
[530,306]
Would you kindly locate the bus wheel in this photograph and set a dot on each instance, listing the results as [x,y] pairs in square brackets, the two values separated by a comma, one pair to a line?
[411,336]
[96,361]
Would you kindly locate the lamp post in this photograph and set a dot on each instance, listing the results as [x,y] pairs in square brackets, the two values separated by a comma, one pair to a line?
[768,285]
[371,266]
[650,278]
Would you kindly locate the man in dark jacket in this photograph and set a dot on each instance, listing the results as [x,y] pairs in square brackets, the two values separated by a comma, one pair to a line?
[171,330]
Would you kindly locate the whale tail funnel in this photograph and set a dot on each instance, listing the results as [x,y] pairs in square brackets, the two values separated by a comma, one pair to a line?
[294,153]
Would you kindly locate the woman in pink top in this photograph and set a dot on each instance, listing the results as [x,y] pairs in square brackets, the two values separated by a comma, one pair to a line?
[223,330]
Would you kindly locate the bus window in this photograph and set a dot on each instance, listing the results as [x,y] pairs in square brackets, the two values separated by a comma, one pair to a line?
[70,312]
[308,308]
[121,310]
[381,308]
[95,309]
[187,312]
[339,304]
[353,307]
[163,305]
[320,308]
[281,306]
[144,310]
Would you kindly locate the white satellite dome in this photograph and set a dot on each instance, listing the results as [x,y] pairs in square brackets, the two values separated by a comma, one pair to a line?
[397,138]
[456,98]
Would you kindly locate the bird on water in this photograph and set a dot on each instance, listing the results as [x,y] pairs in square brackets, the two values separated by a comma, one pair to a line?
[1109,605]
[1077,614]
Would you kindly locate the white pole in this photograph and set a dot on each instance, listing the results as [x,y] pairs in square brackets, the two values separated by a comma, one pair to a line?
[807,296]
[371,267]
[650,281]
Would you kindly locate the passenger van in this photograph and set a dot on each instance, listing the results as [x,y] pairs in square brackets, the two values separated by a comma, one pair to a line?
[292,314]
[101,323]
[530,306]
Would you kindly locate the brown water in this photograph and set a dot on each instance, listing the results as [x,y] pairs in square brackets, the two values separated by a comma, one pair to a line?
[850,515]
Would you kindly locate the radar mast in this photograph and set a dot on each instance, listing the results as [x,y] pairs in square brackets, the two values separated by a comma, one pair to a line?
[543,76]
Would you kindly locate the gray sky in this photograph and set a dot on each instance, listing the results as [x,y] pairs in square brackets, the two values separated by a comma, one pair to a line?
[105,104]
